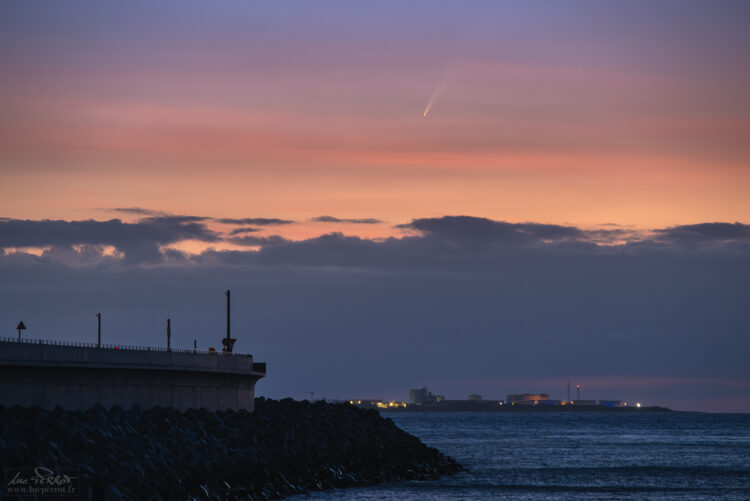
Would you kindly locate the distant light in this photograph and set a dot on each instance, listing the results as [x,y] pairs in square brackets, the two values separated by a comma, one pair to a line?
[638,404]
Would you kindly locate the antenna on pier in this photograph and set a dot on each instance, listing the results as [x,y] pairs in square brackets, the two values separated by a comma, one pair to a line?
[568,390]
[169,334]
[228,342]
[99,330]
[578,392]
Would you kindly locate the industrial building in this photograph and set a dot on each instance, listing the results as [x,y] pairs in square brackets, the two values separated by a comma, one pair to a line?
[584,402]
[527,398]
[422,396]
[550,402]
[372,404]
[612,403]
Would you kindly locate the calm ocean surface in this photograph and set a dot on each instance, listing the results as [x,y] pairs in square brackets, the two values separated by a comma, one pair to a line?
[523,456]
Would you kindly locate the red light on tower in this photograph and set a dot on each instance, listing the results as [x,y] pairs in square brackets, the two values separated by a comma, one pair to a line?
[578,392]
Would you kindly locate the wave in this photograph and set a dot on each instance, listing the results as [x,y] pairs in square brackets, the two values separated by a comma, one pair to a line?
[634,470]
[588,488]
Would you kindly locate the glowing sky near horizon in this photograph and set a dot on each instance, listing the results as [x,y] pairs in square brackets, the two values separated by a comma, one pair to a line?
[632,117]
[582,113]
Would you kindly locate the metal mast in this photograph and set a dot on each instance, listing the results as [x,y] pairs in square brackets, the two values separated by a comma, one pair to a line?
[228,342]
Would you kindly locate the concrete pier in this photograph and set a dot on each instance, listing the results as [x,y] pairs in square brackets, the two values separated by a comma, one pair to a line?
[77,376]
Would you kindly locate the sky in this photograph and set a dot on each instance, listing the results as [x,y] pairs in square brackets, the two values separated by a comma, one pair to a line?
[487,198]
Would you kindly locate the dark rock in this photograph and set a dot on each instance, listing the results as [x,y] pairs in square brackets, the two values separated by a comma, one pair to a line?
[283,448]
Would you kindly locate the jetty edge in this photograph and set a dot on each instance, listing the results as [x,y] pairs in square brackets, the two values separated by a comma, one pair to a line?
[284,448]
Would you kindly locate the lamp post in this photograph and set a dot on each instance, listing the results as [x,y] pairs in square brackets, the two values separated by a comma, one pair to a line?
[20,328]
[228,341]
[99,330]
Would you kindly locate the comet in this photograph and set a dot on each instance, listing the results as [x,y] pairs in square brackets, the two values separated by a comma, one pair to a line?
[435,94]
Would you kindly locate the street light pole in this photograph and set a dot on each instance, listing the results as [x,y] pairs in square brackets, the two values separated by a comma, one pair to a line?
[20,327]
[99,330]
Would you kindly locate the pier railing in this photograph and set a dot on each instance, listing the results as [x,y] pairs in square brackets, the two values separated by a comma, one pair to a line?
[127,347]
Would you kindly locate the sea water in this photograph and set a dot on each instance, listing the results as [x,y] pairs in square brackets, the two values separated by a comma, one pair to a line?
[576,456]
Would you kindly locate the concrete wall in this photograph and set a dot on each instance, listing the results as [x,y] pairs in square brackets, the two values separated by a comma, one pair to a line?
[78,378]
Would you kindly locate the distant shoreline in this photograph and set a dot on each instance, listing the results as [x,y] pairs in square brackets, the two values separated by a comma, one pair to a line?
[491,407]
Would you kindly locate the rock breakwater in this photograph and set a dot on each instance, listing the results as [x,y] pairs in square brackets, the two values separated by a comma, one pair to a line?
[283,448]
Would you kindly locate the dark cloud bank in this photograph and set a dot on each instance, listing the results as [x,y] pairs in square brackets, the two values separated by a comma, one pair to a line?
[331,219]
[140,242]
[255,221]
[462,304]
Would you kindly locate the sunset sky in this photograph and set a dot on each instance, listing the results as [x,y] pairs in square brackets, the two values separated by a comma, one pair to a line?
[586,162]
